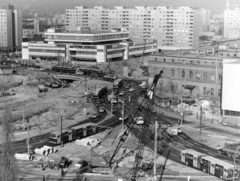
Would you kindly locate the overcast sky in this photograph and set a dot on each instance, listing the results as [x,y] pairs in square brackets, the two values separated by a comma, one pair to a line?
[217,6]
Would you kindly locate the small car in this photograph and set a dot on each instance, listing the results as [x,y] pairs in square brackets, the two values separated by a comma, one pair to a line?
[131,89]
[139,120]
[121,118]
[101,109]
[98,101]
[93,116]
[121,93]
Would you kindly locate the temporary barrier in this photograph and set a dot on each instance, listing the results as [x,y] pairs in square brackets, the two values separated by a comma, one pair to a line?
[41,151]
[53,150]
[25,157]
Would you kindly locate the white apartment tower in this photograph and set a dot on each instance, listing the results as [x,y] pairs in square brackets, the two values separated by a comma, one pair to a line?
[231,22]
[172,27]
[10,28]
[205,16]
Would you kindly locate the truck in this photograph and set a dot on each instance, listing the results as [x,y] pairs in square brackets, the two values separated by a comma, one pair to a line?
[228,149]
[100,91]
[118,83]
[173,131]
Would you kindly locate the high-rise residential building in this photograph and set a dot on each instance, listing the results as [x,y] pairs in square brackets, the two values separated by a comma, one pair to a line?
[231,22]
[205,16]
[172,27]
[10,28]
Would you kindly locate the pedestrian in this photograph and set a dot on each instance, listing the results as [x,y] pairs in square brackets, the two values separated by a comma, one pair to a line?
[62,172]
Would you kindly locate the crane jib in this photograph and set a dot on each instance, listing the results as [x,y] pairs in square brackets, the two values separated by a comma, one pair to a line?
[143,132]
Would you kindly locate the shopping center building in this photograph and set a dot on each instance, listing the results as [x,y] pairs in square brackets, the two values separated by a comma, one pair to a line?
[87,45]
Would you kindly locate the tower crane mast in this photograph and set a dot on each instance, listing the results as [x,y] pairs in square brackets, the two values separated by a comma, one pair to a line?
[143,130]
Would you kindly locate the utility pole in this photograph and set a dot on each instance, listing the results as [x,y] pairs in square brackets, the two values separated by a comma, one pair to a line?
[123,118]
[111,103]
[24,122]
[61,133]
[200,131]
[86,88]
[155,152]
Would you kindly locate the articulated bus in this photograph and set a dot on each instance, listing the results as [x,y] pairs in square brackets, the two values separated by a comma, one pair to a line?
[73,133]
[208,164]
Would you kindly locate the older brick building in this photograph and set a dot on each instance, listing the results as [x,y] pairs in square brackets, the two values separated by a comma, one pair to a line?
[188,73]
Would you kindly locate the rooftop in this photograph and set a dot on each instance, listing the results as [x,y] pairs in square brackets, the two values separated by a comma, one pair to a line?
[193,56]
[85,31]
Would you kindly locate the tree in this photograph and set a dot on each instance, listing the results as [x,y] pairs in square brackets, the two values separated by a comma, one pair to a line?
[8,165]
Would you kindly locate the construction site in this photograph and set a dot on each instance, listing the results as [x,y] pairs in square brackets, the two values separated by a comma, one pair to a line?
[39,99]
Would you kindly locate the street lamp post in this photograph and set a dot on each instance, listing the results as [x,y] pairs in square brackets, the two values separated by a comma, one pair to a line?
[234,162]
[28,138]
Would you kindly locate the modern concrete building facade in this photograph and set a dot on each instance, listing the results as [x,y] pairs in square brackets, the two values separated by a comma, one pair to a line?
[172,27]
[232,22]
[10,29]
[87,46]
[194,73]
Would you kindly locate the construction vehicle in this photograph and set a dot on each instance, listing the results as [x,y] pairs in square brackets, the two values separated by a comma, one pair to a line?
[228,149]
[142,131]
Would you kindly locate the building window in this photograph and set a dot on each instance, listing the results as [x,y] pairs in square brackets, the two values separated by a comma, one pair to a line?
[155,58]
[191,62]
[164,60]
[220,64]
[172,73]
[198,76]
[172,60]
[191,74]
[183,74]
[212,91]
[205,76]
[204,90]
[172,88]
[212,77]
[220,77]
[198,62]
[213,64]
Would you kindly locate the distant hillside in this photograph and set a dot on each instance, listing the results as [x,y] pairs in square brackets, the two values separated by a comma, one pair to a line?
[217,6]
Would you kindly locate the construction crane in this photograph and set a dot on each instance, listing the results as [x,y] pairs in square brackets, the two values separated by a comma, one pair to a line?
[142,130]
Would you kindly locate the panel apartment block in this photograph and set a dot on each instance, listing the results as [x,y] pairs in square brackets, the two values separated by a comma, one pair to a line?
[172,27]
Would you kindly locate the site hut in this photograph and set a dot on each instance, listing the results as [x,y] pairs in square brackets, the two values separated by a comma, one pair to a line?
[191,157]
[55,137]
[83,130]
[217,167]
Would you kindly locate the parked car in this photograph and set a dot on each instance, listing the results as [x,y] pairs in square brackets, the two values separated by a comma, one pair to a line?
[98,101]
[101,109]
[131,89]
[121,93]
